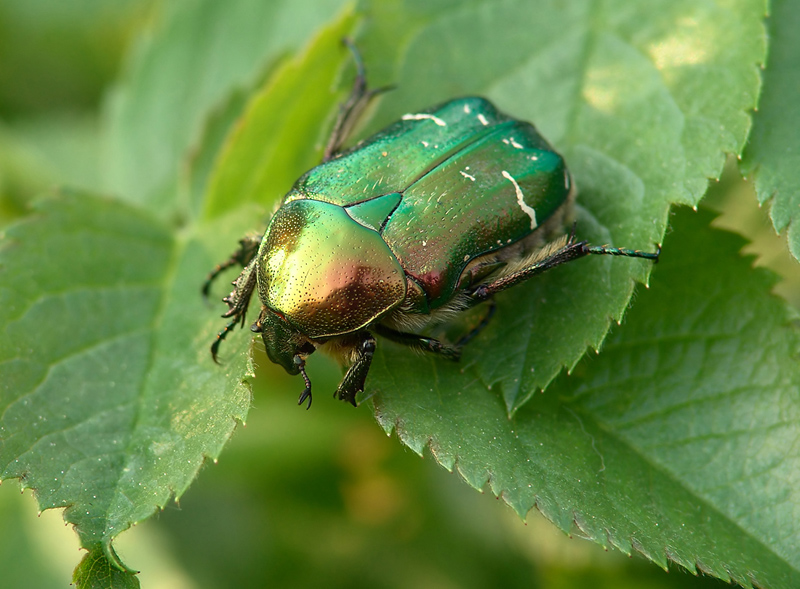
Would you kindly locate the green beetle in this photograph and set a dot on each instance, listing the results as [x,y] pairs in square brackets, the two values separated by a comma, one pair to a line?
[429,217]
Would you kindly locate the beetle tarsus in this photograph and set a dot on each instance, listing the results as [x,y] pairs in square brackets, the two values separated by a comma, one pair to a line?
[301,366]
[306,395]
[221,336]
[351,110]
[618,251]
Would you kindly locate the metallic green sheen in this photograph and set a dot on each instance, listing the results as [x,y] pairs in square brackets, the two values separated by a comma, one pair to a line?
[471,181]
[374,213]
[325,273]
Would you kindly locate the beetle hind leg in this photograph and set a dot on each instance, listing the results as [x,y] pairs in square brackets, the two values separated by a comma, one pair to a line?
[569,251]
[420,342]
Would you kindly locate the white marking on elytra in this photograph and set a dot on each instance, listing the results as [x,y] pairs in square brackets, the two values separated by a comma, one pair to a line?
[515,144]
[482,119]
[467,109]
[468,176]
[505,141]
[521,200]
[425,144]
[534,158]
[424,116]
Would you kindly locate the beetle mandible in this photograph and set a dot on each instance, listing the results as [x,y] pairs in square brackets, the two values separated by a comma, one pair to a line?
[427,218]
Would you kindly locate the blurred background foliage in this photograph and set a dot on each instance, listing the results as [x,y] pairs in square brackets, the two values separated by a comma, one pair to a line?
[299,499]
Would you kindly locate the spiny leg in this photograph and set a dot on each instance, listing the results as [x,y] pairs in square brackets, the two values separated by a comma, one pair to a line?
[238,301]
[248,247]
[571,251]
[350,112]
[480,327]
[353,381]
[221,336]
[607,250]
[419,342]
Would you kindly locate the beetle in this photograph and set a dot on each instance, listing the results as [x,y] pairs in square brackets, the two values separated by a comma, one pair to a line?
[429,217]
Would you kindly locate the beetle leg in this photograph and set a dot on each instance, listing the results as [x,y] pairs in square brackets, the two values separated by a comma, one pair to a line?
[238,301]
[248,247]
[420,342]
[352,109]
[478,328]
[301,366]
[353,381]
[572,250]
[221,336]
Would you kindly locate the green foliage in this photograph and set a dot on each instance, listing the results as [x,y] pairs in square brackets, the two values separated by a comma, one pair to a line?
[205,51]
[773,152]
[643,101]
[106,294]
[96,571]
[683,421]
[677,442]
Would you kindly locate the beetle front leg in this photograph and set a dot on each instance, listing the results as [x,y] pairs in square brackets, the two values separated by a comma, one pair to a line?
[248,247]
[238,301]
[353,381]
[350,112]
[301,366]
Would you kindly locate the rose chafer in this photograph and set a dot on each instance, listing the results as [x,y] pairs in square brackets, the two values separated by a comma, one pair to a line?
[427,218]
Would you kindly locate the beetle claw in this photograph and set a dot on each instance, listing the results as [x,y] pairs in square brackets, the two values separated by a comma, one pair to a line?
[306,395]
[301,366]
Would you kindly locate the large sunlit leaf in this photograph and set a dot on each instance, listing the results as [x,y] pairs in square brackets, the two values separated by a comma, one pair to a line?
[772,156]
[679,441]
[109,400]
[186,69]
[280,133]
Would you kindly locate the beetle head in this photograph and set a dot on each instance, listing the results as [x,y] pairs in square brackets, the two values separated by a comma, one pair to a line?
[282,340]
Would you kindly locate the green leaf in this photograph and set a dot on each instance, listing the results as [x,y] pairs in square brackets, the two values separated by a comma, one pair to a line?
[202,161]
[109,401]
[772,156]
[96,572]
[108,398]
[283,129]
[643,99]
[189,67]
[679,441]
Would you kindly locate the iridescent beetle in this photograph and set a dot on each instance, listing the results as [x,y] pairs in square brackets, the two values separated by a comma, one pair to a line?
[427,218]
